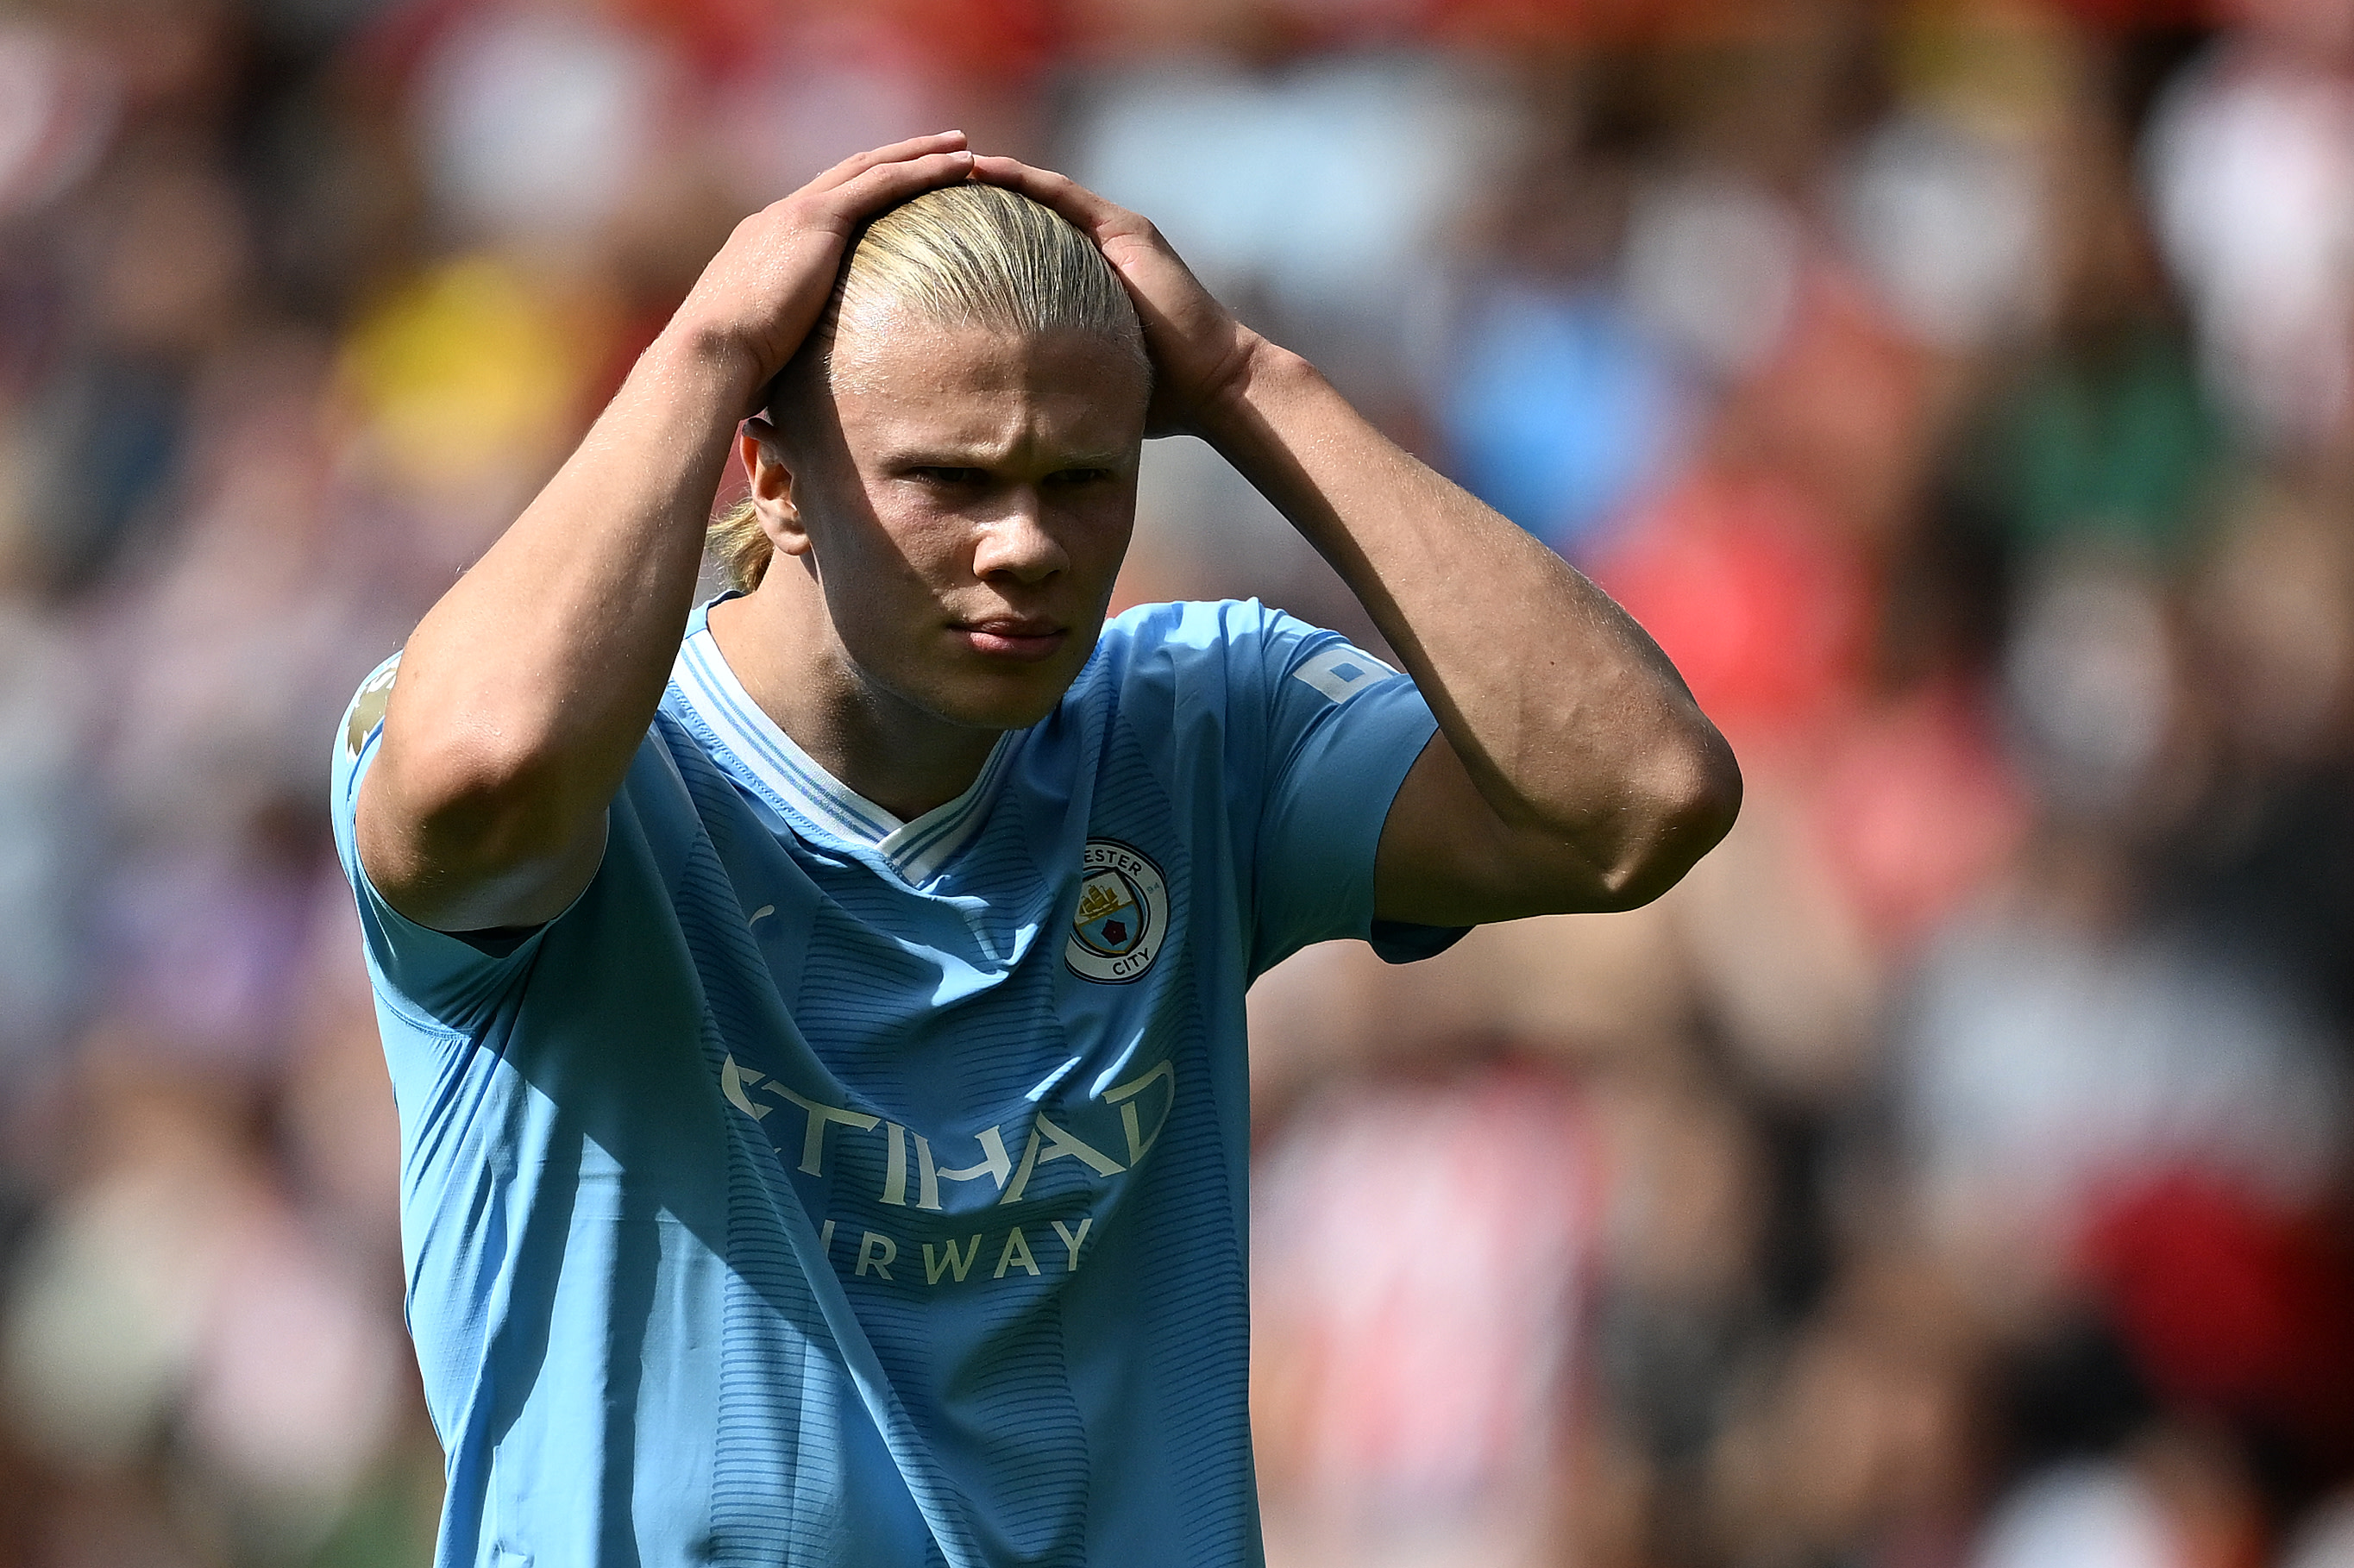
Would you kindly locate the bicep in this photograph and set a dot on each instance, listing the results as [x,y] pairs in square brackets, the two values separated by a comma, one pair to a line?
[1446,857]
[452,874]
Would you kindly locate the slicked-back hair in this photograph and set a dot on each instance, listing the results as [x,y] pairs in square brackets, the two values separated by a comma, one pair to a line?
[960,256]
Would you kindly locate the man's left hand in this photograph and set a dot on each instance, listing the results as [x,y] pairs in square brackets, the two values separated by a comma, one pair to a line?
[1202,356]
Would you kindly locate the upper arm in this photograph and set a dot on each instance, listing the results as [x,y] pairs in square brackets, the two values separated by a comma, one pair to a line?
[1449,857]
[444,882]
[1340,730]
[1446,858]
[440,981]
[448,856]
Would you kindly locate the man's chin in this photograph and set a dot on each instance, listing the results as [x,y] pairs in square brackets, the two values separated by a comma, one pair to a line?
[1002,710]
[981,693]
[1009,694]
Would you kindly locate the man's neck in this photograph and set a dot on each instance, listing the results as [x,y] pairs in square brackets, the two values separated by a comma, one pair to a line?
[789,662]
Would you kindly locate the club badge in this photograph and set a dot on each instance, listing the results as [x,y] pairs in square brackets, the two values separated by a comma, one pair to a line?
[1123,915]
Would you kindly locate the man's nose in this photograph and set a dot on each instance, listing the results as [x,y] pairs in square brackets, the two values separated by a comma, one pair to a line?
[1016,543]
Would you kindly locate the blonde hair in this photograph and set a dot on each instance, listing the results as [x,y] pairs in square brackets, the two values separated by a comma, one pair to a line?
[962,255]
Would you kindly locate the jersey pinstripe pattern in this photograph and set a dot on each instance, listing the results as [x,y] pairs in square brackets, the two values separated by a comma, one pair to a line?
[825,1189]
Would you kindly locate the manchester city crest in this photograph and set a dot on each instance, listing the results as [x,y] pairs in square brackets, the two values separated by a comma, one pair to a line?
[1122,918]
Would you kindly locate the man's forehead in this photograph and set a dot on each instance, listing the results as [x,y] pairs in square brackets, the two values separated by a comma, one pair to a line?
[982,432]
[899,354]
[969,389]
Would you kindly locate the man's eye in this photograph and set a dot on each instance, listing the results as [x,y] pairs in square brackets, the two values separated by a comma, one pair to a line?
[1078,476]
[937,473]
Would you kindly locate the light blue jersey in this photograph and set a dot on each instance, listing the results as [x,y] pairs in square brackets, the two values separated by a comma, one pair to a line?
[825,1189]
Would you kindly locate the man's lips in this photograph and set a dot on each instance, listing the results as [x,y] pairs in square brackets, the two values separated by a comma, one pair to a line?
[1005,638]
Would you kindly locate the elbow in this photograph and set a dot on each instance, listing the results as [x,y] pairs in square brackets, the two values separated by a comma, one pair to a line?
[1683,807]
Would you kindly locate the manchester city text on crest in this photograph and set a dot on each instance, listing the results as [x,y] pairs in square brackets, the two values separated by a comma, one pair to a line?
[1123,914]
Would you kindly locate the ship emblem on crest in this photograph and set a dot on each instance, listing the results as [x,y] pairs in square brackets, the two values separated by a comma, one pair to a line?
[1123,914]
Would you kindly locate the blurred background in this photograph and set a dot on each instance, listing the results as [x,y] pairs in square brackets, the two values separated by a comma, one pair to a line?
[1952,1173]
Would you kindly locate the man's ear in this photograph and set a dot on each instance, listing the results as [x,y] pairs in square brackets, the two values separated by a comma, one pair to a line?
[773,487]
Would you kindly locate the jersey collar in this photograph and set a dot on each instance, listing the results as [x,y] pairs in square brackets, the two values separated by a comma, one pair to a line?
[752,747]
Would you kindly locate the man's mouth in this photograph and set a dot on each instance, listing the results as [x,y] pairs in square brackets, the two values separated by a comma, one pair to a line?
[1008,637]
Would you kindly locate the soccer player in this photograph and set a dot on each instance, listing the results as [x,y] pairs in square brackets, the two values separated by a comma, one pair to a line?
[817,1018]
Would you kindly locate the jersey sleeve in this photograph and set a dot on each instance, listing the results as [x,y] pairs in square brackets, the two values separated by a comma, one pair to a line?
[440,982]
[1342,730]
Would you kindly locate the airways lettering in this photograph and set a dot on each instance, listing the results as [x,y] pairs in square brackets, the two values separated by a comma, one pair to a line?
[951,1261]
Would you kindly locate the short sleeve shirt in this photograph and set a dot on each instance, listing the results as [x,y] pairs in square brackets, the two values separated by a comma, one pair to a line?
[824,1188]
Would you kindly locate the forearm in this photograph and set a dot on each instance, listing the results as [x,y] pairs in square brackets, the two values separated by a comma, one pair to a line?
[525,691]
[1582,773]
[1573,726]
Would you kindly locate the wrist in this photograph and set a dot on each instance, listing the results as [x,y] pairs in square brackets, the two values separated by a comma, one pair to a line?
[690,351]
[1263,373]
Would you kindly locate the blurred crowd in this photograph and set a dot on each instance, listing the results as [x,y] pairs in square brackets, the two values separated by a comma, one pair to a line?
[1952,1173]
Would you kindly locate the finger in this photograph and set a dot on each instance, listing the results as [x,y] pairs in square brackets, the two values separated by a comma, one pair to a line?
[1089,211]
[886,184]
[914,147]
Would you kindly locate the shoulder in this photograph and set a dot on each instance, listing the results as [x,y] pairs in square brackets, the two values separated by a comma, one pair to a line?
[1158,664]
[1225,654]
[1199,625]
[356,733]
[365,714]
[1191,640]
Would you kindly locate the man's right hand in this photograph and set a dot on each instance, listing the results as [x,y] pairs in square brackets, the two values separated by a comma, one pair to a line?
[760,295]
[526,692]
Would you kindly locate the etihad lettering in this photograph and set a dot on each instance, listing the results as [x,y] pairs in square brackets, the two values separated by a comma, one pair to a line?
[819,1119]
[895,1166]
[731,1083]
[1058,1145]
[993,1165]
[1144,1102]
[1125,1095]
